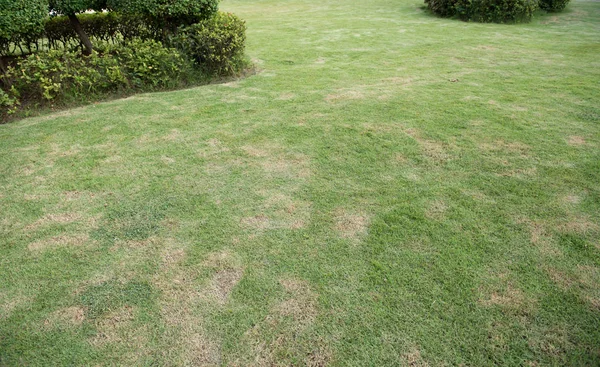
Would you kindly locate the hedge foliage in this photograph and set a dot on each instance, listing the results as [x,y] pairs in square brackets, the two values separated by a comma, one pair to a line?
[63,76]
[216,44]
[553,5]
[488,11]
[20,18]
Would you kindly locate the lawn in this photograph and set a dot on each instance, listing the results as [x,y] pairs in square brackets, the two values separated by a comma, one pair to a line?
[390,188]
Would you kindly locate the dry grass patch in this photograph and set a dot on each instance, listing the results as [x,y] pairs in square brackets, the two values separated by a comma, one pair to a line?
[301,306]
[434,150]
[74,315]
[414,359]
[51,219]
[579,225]
[258,222]
[341,96]
[506,147]
[436,210]
[223,283]
[576,140]
[351,225]
[59,241]
[276,336]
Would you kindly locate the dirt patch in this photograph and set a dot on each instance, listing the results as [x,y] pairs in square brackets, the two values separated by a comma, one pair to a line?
[350,225]
[576,140]
[58,241]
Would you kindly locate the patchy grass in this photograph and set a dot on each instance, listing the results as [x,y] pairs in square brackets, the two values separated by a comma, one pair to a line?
[390,189]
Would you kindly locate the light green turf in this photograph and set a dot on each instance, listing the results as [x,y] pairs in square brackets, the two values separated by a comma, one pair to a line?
[390,189]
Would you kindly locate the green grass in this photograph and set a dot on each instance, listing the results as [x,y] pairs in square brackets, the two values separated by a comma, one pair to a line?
[390,189]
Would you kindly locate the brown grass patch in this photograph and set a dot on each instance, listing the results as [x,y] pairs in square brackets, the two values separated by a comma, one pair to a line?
[223,283]
[436,210]
[255,151]
[519,172]
[286,96]
[572,199]
[109,326]
[350,225]
[507,147]
[50,219]
[260,222]
[58,241]
[432,149]
[66,316]
[580,225]
[344,96]
[414,359]
[301,307]
[576,140]
[511,298]
[564,281]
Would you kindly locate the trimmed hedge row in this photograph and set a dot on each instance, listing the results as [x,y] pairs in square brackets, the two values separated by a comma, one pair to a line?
[213,47]
[493,11]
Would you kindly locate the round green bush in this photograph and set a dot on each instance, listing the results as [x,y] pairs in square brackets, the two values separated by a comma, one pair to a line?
[553,5]
[485,11]
[216,44]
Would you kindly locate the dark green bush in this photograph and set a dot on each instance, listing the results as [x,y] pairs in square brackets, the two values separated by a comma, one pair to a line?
[487,11]
[216,44]
[63,76]
[554,5]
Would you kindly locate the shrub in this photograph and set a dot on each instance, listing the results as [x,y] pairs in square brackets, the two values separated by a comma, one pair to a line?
[60,76]
[19,18]
[553,5]
[216,44]
[499,11]
[150,64]
[167,14]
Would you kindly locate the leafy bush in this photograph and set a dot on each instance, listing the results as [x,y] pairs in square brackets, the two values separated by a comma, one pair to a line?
[554,5]
[61,76]
[8,103]
[149,63]
[19,18]
[499,11]
[216,44]
[167,14]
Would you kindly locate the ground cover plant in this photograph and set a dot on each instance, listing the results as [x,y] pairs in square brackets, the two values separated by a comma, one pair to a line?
[392,188]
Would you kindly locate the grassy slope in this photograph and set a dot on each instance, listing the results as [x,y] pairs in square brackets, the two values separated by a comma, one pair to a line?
[391,189]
